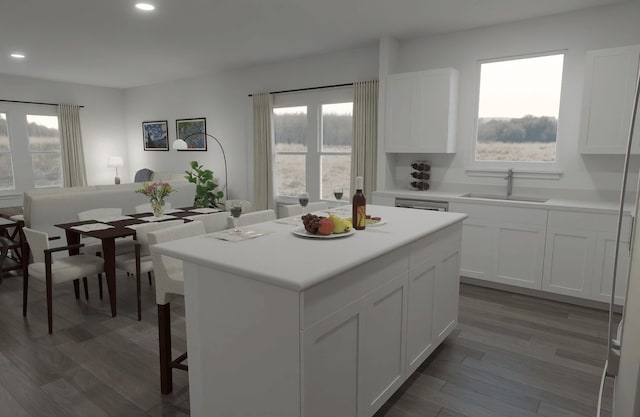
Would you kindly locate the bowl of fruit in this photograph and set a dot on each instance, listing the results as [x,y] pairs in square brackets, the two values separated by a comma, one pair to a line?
[324,227]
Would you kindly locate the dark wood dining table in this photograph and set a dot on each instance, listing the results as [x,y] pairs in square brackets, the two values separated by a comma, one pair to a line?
[108,238]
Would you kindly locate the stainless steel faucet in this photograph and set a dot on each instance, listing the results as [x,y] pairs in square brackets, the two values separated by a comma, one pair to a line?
[509,179]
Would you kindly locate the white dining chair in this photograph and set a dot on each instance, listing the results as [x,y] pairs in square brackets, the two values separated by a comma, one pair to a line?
[295,209]
[146,207]
[139,262]
[253,218]
[64,269]
[93,246]
[213,222]
[169,282]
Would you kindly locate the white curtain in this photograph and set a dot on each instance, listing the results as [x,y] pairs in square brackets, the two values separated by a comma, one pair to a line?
[365,135]
[262,154]
[75,174]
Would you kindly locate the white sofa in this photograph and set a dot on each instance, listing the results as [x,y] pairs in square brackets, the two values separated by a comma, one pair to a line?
[45,208]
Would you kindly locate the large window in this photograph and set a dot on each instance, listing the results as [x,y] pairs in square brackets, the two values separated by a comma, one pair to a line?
[312,144]
[518,109]
[44,146]
[6,163]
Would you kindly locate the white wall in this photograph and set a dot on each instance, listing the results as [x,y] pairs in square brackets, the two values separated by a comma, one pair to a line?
[223,100]
[576,32]
[102,119]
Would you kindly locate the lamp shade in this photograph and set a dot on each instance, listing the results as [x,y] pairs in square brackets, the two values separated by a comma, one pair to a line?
[179,145]
[115,162]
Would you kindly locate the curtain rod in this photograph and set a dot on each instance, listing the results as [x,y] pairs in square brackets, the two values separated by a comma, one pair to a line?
[308,88]
[33,102]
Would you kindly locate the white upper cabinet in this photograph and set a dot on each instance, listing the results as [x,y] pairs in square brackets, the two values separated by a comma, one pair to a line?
[609,91]
[421,111]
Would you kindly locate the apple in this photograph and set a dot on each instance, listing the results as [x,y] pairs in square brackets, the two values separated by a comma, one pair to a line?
[326,226]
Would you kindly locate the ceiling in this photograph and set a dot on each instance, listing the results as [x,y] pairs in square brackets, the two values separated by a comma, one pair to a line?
[110,43]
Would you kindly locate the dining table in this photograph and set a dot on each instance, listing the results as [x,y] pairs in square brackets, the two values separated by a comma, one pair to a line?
[109,230]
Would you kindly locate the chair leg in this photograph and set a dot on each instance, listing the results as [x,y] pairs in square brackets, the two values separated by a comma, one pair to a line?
[86,288]
[164,336]
[76,288]
[25,291]
[100,284]
[49,306]
[149,274]
[139,296]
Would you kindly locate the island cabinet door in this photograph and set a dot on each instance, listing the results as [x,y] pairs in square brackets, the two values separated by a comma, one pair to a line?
[420,313]
[330,364]
[382,353]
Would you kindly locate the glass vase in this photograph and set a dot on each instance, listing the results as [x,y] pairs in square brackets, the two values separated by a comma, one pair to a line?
[158,207]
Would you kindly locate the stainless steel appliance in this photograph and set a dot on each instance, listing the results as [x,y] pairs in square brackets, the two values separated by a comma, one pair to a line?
[422,204]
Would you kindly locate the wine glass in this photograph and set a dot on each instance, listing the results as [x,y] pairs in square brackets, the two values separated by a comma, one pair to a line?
[337,193]
[236,211]
[303,199]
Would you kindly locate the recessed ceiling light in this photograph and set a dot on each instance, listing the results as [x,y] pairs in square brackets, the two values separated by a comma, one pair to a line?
[145,6]
[17,55]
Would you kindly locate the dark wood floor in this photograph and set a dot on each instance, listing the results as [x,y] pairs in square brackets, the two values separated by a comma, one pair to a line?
[511,356]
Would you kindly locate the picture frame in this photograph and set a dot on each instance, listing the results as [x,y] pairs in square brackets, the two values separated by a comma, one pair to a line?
[188,129]
[155,135]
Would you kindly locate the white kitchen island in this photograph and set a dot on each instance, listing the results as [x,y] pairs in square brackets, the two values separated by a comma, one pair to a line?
[282,325]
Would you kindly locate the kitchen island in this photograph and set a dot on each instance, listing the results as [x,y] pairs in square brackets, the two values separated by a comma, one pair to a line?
[282,325]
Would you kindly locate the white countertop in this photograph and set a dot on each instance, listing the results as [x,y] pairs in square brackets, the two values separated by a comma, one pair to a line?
[610,207]
[289,261]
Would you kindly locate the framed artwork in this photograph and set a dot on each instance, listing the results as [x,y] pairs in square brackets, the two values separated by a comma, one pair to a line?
[189,129]
[155,135]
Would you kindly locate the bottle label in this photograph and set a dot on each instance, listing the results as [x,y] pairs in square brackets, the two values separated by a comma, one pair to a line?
[361,217]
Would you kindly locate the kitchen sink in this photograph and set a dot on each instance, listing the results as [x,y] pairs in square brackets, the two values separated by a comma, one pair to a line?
[506,197]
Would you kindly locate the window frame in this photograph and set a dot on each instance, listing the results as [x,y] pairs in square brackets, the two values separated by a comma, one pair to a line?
[10,152]
[313,100]
[533,169]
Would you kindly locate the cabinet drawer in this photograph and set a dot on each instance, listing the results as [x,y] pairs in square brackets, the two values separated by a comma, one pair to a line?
[598,222]
[522,215]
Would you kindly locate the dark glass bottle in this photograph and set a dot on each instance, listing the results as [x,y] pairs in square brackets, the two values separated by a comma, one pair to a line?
[421,175]
[359,204]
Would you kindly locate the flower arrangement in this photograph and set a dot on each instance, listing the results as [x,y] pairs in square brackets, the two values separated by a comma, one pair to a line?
[156,192]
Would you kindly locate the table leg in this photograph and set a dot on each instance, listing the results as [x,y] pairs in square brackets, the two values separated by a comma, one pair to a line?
[109,255]
[72,239]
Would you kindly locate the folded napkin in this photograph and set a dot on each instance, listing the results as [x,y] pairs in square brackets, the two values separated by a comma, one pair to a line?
[113,219]
[157,218]
[232,236]
[293,221]
[205,210]
[92,227]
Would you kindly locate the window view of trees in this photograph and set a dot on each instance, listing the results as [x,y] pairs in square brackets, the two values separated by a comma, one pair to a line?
[6,164]
[518,109]
[44,145]
[296,145]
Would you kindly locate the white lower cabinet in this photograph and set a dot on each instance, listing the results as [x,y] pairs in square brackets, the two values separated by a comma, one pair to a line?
[579,255]
[503,244]
[387,318]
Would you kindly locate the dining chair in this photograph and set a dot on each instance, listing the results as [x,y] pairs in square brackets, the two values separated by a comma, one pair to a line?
[253,217]
[146,207]
[169,282]
[4,252]
[139,261]
[93,246]
[64,269]
[295,209]
[213,222]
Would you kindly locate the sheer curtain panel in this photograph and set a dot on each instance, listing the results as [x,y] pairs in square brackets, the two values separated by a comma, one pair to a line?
[365,134]
[75,174]
[262,154]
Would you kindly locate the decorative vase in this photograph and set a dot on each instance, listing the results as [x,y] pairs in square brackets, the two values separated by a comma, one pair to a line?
[158,207]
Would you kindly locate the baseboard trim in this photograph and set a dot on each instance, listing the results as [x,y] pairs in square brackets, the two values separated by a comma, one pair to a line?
[540,294]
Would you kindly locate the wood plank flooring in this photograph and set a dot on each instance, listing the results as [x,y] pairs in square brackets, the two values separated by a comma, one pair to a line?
[511,356]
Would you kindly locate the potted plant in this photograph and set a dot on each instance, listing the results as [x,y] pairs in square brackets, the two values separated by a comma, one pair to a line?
[206,194]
